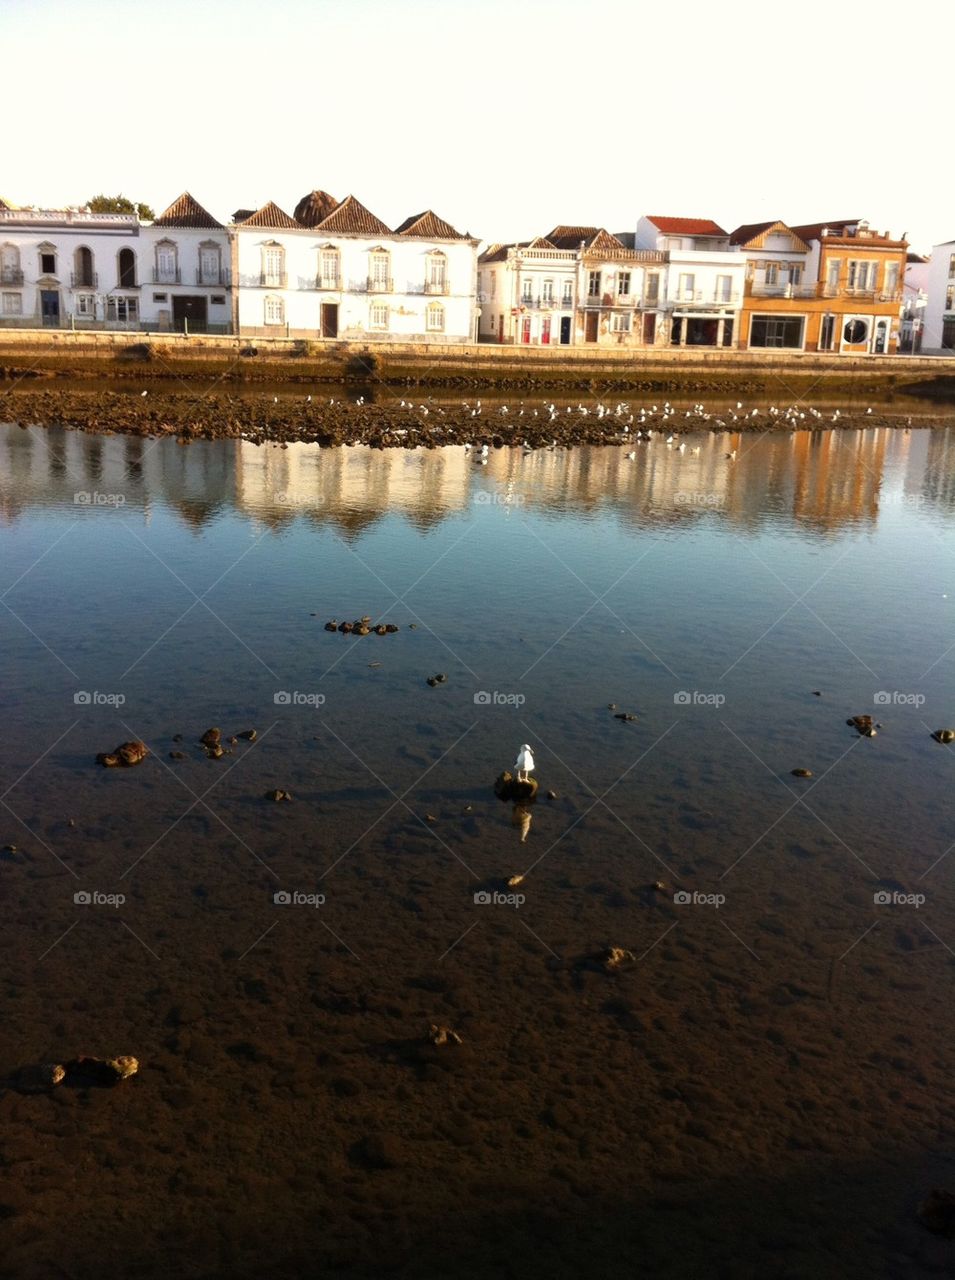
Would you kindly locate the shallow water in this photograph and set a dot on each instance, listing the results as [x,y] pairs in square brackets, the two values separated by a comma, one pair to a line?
[798,1029]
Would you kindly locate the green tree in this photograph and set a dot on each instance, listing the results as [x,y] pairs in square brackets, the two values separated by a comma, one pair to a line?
[120,204]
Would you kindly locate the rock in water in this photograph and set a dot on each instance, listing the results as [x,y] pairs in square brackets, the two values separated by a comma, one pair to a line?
[250,735]
[615,957]
[278,796]
[507,787]
[211,738]
[443,1035]
[802,773]
[101,1071]
[863,724]
[37,1078]
[125,755]
[944,735]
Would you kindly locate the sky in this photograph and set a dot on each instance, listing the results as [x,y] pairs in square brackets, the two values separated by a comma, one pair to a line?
[504,116]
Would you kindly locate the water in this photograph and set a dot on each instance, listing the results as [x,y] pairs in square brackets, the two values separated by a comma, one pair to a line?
[798,1025]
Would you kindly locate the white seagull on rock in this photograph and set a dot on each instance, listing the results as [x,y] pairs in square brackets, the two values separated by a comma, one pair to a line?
[524,763]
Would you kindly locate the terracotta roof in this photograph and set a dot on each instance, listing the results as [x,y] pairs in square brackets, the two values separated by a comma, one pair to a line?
[495,253]
[352,218]
[5,204]
[813,230]
[270,215]
[564,237]
[186,212]
[429,226]
[314,208]
[687,226]
[604,242]
[541,243]
[916,259]
[749,231]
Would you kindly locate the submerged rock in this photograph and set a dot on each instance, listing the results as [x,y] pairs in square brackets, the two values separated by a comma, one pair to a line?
[124,756]
[101,1071]
[507,787]
[249,735]
[278,796]
[443,1035]
[37,1078]
[802,773]
[613,958]
[863,724]
[211,738]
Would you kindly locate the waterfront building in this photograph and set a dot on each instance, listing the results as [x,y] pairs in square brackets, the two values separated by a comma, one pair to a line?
[335,270]
[186,271]
[704,280]
[939,335]
[914,302]
[575,285]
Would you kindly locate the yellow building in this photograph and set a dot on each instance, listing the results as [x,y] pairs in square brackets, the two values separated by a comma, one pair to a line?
[834,286]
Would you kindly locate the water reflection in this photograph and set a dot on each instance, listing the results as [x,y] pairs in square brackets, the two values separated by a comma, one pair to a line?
[820,481]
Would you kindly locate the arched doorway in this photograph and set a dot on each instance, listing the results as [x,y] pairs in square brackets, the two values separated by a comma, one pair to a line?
[127,269]
[83,264]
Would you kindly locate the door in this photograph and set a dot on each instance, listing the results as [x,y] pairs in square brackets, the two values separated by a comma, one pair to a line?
[500,328]
[650,328]
[329,319]
[526,329]
[565,331]
[189,312]
[545,331]
[591,321]
[50,306]
[881,338]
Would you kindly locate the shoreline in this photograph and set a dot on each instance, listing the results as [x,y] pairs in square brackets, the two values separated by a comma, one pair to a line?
[330,421]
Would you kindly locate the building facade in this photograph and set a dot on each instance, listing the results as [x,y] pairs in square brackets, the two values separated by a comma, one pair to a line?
[704,280]
[914,303]
[335,270]
[939,335]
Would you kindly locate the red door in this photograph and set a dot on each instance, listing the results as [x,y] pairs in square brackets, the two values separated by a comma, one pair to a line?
[500,328]
[526,329]
[545,330]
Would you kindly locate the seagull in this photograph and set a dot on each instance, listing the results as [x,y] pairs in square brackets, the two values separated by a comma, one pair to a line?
[524,763]
[145,393]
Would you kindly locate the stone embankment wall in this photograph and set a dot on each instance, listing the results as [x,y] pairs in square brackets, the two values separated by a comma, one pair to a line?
[45,353]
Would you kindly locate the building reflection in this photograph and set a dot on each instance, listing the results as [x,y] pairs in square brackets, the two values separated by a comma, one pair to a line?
[816,481]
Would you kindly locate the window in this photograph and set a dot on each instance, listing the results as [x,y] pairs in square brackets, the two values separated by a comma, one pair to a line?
[724,288]
[951,264]
[776,331]
[274,311]
[379,315]
[891,277]
[795,273]
[593,284]
[833,271]
[493,284]
[856,332]
[687,286]
[623,284]
[380,278]
[273,266]
[568,293]
[547,291]
[328,269]
[86,305]
[217,300]
[620,322]
[83,266]
[862,275]
[950,299]
[126,269]
[167,263]
[11,304]
[160,297]
[437,269]
[10,265]
[653,287]
[122,309]
[772,273]
[827,333]
[48,264]
[209,264]
[435,318]
[527,291]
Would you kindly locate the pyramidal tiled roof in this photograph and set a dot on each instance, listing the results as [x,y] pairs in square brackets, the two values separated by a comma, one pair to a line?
[352,218]
[186,212]
[603,241]
[429,226]
[565,237]
[314,208]
[541,243]
[751,231]
[270,215]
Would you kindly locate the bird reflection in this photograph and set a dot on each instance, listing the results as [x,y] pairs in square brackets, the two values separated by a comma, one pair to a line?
[521,817]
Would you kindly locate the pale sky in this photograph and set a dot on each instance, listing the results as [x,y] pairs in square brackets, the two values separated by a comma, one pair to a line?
[504,117]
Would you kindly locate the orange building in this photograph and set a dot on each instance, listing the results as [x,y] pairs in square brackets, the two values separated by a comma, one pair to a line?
[829,286]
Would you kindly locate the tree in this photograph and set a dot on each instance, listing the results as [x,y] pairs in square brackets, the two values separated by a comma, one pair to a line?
[120,204]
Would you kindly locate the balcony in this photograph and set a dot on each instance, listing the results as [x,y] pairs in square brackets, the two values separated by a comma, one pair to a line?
[380,286]
[163,275]
[436,286]
[218,278]
[84,279]
[782,290]
[11,278]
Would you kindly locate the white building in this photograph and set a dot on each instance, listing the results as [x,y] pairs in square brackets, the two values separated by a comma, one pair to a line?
[335,270]
[574,285]
[914,302]
[939,333]
[704,281]
[186,271]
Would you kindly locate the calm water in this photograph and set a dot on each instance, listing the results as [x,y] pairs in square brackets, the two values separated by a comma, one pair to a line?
[796,1022]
